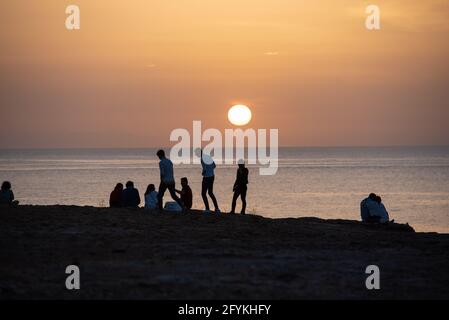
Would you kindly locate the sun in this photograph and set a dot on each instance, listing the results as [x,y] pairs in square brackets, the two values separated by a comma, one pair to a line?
[239,115]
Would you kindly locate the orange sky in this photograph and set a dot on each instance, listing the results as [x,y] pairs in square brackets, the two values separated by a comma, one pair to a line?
[139,68]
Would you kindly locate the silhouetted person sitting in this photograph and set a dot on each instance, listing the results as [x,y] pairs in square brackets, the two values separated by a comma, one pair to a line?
[6,194]
[240,187]
[151,197]
[207,186]
[116,198]
[186,193]
[131,197]
[167,180]
[380,211]
[367,207]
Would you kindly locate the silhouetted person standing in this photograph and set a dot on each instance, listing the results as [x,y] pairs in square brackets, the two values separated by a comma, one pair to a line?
[207,187]
[240,187]
[167,180]
[131,197]
[116,198]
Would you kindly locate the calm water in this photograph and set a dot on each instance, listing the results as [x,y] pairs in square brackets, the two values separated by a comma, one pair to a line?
[322,182]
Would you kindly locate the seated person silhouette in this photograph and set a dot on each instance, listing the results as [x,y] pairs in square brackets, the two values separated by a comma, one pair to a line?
[131,197]
[367,206]
[115,199]
[151,197]
[186,193]
[6,194]
[381,212]
[372,210]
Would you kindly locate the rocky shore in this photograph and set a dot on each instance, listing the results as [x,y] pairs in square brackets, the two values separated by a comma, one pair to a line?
[135,254]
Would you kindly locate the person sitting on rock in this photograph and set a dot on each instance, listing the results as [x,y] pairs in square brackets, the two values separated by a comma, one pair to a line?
[131,197]
[380,211]
[186,193]
[116,197]
[6,194]
[367,207]
[151,197]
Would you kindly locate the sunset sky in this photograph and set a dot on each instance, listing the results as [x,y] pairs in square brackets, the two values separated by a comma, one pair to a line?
[138,69]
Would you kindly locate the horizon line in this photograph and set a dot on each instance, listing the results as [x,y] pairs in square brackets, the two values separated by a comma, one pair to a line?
[284,147]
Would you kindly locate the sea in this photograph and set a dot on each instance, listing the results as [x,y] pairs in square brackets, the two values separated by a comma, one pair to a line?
[328,183]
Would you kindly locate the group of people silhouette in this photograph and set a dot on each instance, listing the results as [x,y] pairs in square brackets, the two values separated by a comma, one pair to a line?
[372,210]
[129,196]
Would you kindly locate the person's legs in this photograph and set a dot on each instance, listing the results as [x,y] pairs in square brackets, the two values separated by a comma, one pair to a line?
[234,200]
[243,197]
[373,219]
[174,196]
[204,193]
[160,194]
[210,189]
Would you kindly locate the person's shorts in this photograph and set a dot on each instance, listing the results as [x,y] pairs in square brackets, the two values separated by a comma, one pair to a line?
[241,190]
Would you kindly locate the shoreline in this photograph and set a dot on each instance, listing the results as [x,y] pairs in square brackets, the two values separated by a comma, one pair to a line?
[418,228]
[133,254]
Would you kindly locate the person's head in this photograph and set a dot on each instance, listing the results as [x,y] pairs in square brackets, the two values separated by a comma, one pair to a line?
[119,186]
[150,188]
[130,184]
[161,154]
[6,185]
[241,163]
[372,196]
[378,199]
[199,152]
[184,182]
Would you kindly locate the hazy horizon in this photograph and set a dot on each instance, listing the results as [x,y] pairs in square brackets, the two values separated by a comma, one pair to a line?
[138,69]
[283,147]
